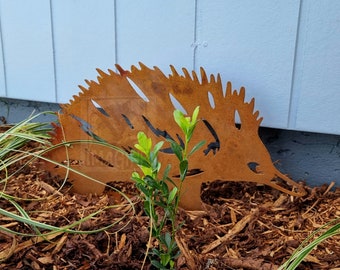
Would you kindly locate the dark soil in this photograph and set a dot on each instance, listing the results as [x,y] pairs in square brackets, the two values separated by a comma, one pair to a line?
[243,226]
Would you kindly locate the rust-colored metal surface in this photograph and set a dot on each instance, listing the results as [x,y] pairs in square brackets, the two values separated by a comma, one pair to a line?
[114,109]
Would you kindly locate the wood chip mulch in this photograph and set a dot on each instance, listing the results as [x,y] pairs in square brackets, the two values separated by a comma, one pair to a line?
[243,226]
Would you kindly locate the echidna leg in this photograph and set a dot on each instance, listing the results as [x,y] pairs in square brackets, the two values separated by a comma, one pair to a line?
[300,191]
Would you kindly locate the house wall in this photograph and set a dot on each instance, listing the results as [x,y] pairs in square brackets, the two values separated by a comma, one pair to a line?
[285,52]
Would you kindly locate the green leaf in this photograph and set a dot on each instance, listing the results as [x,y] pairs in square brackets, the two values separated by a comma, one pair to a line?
[155,165]
[151,182]
[136,178]
[189,133]
[155,231]
[157,264]
[172,195]
[161,204]
[196,147]
[157,168]
[166,172]
[146,170]
[147,208]
[164,188]
[195,114]
[157,147]
[135,175]
[183,167]
[181,120]
[144,189]
[167,238]
[145,143]
[138,159]
[171,181]
[140,148]
[177,149]
[155,252]
[165,259]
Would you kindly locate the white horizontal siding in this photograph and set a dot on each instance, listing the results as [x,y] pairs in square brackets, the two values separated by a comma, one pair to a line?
[27,49]
[2,71]
[156,33]
[316,91]
[286,52]
[252,45]
[84,39]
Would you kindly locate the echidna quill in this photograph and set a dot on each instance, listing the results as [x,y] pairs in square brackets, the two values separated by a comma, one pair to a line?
[120,104]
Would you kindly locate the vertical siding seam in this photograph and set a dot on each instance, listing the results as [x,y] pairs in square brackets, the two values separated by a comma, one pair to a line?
[194,44]
[3,56]
[294,91]
[53,54]
[115,31]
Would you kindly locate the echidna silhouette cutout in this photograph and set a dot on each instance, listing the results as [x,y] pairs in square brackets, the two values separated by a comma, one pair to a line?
[122,103]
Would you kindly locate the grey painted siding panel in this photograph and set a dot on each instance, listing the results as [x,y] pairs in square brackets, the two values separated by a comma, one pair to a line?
[27,46]
[287,57]
[84,39]
[317,74]
[252,45]
[156,33]
[2,68]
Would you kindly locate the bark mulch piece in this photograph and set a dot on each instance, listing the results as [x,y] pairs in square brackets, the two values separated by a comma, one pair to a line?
[243,226]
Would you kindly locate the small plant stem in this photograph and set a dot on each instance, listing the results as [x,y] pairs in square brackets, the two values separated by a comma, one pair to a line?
[149,241]
[158,193]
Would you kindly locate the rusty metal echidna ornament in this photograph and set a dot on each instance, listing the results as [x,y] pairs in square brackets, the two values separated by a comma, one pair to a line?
[120,104]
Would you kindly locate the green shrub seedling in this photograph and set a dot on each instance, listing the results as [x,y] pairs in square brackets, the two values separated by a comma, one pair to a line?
[160,194]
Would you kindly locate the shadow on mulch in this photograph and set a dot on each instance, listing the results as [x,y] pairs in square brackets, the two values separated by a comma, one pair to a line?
[243,226]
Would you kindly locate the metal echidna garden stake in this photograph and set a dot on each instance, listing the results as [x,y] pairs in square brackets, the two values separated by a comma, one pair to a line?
[120,104]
